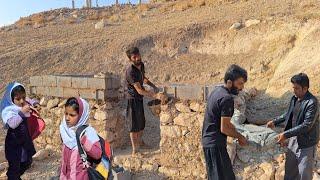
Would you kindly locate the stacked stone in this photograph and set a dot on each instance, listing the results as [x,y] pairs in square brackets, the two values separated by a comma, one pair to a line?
[106,118]
[180,145]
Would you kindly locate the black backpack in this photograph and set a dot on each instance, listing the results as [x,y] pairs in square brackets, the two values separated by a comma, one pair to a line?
[100,169]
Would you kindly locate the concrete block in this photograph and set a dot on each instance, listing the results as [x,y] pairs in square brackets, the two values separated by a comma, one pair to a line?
[56,91]
[36,81]
[170,91]
[79,82]
[69,92]
[64,81]
[189,92]
[101,95]
[43,91]
[33,90]
[111,94]
[49,81]
[116,83]
[88,93]
[109,83]
[97,83]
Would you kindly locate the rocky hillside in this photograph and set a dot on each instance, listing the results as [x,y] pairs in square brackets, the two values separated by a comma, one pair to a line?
[181,41]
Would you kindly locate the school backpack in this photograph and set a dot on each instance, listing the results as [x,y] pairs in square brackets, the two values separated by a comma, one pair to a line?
[99,169]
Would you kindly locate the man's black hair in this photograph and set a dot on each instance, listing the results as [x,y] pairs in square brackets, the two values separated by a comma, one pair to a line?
[300,79]
[132,51]
[235,72]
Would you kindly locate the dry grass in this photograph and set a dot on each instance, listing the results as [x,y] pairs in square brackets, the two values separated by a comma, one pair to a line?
[144,7]
[22,22]
[71,20]
[115,18]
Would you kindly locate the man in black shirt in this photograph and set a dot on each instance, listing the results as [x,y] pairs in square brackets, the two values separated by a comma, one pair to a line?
[135,78]
[217,125]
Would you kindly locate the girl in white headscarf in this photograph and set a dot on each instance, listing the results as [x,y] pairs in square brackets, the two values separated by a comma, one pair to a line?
[77,112]
[19,149]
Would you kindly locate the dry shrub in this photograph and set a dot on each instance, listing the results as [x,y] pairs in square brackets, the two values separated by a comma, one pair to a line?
[115,18]
[71,20]
[22,22]
[38,19]
[144,7]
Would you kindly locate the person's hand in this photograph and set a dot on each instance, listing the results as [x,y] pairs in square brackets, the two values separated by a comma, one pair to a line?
[25,108]
[162,97]
[242,141]
[270,124]
[37,107]
[282,140]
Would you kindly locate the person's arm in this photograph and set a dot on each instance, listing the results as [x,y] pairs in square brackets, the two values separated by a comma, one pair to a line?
[226,127]
[93,149]
[272,123]
[309,119]
[14,121]
[143,92]
[147,81]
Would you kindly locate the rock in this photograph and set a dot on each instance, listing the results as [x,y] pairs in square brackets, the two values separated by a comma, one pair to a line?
[100,25]
[197,107]
[2,154]
[37,25]
[155,167]
[236,26]
[43,101]
[280,172]
[243,155]
[58,111]
[200,119]
[184,119]
[169,172]
[251,22]
[147,167]
[181,107]
[4,166]
[165,118]
[111,123]
[170,131]
[62,104]
[107,106]
[110,136]
[49,140]
[42,154]
[100,115]
[232,151]
[269,170]
[53,103]
[249,169]
[166,77]
[47,121]
[49,146]
[316,176]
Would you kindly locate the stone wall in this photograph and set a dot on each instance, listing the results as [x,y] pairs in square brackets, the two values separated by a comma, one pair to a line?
[106,117]
[180,145]
[104,94]
[87,86]
[181,151]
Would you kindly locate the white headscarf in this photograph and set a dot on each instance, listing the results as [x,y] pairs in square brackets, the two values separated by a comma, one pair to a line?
[7,108]
[68,134]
